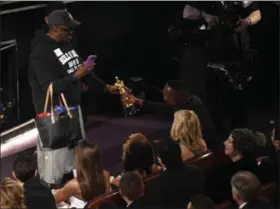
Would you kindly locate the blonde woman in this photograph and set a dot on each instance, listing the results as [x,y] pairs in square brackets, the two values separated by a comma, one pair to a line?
[186,130]
[11,194]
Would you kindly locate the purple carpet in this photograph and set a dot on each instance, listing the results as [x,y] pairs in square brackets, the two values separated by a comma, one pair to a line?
[110,133]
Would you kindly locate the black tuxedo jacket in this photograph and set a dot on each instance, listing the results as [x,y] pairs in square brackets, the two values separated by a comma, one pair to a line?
[140,203]
[260,203]
[174,187]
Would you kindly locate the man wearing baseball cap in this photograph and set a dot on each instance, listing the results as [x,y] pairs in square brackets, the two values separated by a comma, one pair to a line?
[53,59]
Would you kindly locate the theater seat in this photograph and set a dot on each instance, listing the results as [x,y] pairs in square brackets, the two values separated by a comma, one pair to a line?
[269,191]
[113,197]
[206,162]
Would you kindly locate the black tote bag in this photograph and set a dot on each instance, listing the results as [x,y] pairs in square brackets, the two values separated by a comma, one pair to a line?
[58,130]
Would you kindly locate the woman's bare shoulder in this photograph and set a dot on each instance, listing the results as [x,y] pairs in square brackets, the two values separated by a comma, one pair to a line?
[72,184]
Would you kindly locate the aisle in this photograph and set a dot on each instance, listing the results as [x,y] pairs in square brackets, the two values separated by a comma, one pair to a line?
[109,133]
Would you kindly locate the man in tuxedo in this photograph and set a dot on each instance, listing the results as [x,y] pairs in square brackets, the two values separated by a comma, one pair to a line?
[177,96]
[245,189]
[201,202]
[177,182]
[132,190]
[36,193]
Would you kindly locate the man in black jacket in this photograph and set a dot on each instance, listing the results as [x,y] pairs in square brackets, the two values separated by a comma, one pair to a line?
[245,191]
[178,182]
[53,59]
[176,96]
[132,190]
[36,193]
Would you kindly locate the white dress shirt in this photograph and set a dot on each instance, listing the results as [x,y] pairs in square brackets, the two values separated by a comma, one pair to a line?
[242,205]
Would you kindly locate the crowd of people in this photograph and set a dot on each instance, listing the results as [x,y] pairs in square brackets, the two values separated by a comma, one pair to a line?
[155,173]
[175,182]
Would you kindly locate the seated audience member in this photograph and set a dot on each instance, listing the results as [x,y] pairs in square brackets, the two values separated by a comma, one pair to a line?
[269,159]
[176,96]
[201,202]
[36,193]
[178,182]
[138,155]
[241,148]
[271,165]
[187,131]
[261,142]
[132,190]
[92,179]
[245,191]
[11,193]
[265,147]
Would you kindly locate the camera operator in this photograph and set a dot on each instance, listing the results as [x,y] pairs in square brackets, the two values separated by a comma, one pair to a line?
[221,19]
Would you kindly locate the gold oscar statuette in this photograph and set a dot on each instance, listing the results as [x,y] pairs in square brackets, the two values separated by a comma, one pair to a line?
[129,108]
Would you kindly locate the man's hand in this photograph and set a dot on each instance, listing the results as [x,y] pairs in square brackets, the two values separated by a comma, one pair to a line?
[252,19]
[84,70]
[243,23]
[131,99]
[112,89]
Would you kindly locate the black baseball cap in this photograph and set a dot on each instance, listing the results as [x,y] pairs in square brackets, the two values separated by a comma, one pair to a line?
[62,17]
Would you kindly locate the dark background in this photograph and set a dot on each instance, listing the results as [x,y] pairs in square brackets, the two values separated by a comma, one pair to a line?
[130,38]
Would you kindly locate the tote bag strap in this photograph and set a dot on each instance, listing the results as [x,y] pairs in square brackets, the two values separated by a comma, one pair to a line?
[66,105]
[51,98]
[47,99]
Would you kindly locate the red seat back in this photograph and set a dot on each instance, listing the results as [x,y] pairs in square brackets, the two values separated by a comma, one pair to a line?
[205,162]
[113,197]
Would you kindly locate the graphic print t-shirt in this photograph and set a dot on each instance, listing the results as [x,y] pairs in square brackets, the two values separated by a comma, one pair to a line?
[69,59]
[54,62]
